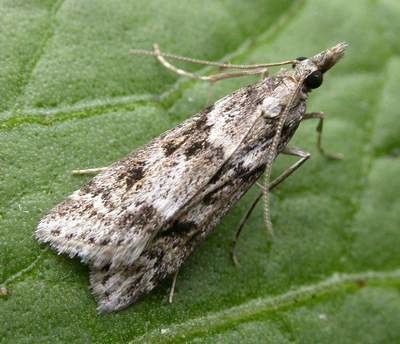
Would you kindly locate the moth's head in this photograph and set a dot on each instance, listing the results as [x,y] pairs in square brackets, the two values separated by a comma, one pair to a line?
[312,69]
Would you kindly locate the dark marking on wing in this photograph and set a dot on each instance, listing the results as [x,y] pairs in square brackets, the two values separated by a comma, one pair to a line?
[104,242]
[105,268]
[217,176]
[105,195]
[65,207]
[252,96]
[196,147]
[213,196]
[257,171]
[133,174]
[218,152]
[105,279]
[93,213]
[69,236]
[229,106]
[55,232]
[240,170]
[87,187]
[179,228]
[201,123]
[171,146]
[139,218]
[82,236]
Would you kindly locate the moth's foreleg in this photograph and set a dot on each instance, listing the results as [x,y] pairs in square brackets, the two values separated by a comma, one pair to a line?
[89,171]
[172,291]
[320,116]
[304,156]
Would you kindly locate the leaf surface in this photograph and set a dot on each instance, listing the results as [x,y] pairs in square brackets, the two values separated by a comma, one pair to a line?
[72,97]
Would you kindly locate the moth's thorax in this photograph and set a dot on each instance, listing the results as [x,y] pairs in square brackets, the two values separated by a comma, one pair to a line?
[303,69]
[291,90]
[285,92]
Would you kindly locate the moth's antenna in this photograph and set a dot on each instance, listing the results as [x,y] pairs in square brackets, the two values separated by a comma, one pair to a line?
[211,78]
[271,157]
[208,63]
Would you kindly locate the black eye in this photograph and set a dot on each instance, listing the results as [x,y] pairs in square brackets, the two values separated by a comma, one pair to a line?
[314,80]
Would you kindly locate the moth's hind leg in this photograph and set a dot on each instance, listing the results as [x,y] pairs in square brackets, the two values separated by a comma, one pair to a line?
[240,228]
[89,171]
[321,116]
[304,156]
[172,291]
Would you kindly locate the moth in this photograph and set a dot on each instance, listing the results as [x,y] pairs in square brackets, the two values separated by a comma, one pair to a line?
[138,220]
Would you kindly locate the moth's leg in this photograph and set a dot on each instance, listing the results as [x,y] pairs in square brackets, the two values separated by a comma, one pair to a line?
[264,75]
[210,78]
[294,151]
[171,293]
[320,116]
[209,93]
[89,171]
[304,156]
[240,228]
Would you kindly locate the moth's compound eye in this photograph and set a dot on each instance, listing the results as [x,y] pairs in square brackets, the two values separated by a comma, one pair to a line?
[314,80]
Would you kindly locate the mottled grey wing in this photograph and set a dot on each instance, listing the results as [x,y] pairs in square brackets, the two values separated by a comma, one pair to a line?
[112,219]
[116,288]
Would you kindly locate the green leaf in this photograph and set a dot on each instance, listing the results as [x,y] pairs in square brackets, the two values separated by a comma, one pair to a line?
[72,97]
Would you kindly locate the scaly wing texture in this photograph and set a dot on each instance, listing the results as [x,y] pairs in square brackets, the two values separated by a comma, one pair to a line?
[117,288]
[110,220]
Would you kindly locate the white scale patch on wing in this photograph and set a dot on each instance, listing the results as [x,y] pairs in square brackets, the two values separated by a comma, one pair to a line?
[223,132]
[167,203]
[217,135]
